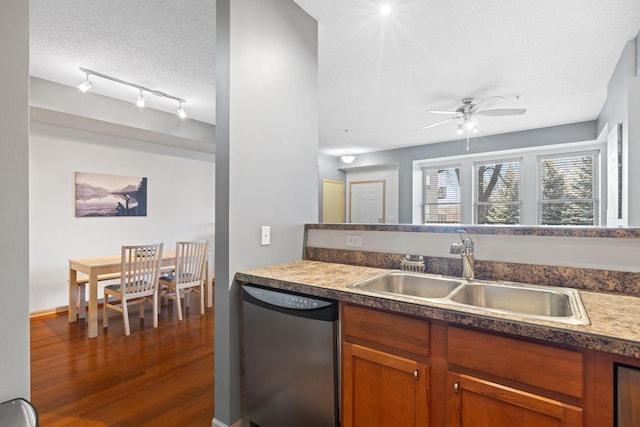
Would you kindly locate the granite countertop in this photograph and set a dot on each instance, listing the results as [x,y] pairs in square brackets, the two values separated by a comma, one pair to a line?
[615,319]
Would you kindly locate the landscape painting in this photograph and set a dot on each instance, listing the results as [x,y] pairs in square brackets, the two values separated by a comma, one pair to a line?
[99,195]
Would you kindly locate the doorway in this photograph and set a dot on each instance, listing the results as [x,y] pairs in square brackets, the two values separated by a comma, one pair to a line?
[332,201]
[367,202]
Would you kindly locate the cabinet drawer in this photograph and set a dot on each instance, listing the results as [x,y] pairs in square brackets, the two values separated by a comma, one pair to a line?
[537,365]
[388,329]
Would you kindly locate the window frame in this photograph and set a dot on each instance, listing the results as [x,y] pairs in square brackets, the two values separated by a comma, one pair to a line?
[436,167]
[596,185]
[497,160]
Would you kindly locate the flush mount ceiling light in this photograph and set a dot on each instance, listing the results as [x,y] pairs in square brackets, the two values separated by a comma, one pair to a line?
[86,85]
[385,9]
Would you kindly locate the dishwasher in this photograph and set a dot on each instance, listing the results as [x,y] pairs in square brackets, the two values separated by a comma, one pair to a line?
[290,359]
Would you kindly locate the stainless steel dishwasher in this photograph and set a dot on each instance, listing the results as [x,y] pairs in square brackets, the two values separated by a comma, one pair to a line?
[290,359]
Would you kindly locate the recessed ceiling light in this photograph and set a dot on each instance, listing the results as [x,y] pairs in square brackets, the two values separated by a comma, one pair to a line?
[385,9]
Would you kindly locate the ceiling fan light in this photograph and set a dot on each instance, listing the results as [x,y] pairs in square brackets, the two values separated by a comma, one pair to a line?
[459,130]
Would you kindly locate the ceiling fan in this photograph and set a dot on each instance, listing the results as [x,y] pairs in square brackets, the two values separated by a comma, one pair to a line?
[469,112]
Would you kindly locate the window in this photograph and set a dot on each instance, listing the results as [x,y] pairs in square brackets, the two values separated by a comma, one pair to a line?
[441,195]
[568,189]
[497,193]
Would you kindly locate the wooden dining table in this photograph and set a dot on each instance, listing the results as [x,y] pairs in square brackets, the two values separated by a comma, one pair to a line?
[104,268]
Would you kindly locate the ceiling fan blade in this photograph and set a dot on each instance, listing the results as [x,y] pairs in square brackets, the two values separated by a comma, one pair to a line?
[440,122]
[503,112]
[487,100]
[441,112]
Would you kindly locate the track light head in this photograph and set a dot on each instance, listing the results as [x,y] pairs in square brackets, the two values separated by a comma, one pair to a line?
[181,112]
[86,85]
[140,101]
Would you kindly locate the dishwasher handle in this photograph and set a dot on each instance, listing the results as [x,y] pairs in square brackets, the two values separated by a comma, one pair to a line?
[291,303]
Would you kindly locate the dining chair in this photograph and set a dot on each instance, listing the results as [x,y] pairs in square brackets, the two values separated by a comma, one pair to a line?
[188,276]
[140,267]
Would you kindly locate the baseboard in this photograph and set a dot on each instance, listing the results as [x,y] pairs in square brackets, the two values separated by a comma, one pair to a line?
[218,423]
[49,311]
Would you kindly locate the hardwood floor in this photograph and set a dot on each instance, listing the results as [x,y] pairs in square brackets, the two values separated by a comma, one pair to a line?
[154,377]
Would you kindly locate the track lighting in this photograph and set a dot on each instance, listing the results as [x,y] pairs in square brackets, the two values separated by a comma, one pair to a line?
[140,102]
[86,85]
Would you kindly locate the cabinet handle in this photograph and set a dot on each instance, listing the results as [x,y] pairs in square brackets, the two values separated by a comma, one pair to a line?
[456,387]
[415,374]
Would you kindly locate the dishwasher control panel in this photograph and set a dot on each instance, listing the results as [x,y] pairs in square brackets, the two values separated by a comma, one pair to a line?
[280,299]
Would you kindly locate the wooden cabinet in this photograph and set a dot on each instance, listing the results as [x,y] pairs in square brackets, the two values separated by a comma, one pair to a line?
[382,389]
[511,382]
[399,370]
[384,375]
[474,402]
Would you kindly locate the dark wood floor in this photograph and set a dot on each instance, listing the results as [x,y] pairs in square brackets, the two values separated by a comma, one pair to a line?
[154,377]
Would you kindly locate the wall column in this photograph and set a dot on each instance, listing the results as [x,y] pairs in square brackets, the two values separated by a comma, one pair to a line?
[266,159]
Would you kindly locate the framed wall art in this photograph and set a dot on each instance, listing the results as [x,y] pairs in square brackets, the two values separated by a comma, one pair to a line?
[99,195]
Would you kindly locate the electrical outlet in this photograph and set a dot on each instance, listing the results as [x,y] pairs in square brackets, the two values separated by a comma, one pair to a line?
[355,241]
[265,235]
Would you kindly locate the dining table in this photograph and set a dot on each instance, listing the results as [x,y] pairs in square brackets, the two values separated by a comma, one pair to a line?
[105,268]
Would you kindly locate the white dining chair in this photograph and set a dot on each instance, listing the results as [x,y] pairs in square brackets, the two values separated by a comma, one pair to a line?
[188,276]
[140,269]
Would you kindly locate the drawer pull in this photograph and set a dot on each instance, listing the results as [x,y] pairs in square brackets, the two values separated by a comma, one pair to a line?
[456,387]
[415,374]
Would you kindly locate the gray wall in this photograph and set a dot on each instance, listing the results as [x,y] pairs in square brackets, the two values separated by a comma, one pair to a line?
[623,105]
[14,188]
[266,155]
[404,157]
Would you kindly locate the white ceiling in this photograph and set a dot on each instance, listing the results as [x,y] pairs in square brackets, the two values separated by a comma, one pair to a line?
[377,74]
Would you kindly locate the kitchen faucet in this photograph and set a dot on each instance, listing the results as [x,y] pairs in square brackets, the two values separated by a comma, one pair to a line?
[466,252]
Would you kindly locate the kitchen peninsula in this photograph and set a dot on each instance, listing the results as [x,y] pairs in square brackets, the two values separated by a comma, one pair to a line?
[550,371]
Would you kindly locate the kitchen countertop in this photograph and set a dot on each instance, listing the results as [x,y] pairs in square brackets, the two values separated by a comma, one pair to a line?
[615,319]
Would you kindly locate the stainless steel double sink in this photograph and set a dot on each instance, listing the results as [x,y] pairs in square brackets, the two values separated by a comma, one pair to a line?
[556,304]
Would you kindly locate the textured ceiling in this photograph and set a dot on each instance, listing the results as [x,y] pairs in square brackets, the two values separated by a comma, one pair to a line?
[167,45]
[377,74]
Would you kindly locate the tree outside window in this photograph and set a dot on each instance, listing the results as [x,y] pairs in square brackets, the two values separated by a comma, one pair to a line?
[498,193]
[568,190]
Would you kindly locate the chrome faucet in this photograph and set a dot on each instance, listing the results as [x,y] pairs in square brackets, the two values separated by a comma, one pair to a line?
[466,252]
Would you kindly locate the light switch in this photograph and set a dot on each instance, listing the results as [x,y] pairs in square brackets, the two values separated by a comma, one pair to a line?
[265,235]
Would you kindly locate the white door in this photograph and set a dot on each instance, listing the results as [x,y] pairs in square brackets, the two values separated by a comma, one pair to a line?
[366,202]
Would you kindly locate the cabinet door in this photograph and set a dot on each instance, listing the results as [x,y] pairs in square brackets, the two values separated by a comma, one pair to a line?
[381,389]
[472,402]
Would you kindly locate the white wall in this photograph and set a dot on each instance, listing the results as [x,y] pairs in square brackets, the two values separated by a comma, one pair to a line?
[14,189]
[584,252]
[389,174]
[180,202]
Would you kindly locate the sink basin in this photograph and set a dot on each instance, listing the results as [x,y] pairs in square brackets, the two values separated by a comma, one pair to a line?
[410,284]
[559,304]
